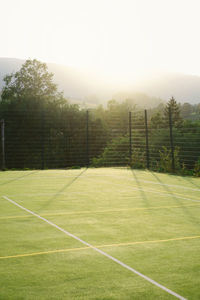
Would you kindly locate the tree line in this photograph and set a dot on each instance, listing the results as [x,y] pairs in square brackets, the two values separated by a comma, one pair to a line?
[44,130]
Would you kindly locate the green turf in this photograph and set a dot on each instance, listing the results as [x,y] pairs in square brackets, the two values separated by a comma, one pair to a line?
[112,208]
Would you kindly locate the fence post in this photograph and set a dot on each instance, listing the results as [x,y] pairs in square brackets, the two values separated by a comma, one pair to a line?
[87,138]
[3,144]
[130,135]
[171,139]
[43,140]
[147,139]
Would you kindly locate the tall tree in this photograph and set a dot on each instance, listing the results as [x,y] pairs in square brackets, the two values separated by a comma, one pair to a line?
[157,120]
[173,106]
[186,110]
[30,105]
[32,81]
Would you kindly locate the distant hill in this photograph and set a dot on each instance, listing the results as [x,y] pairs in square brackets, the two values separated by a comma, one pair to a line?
[184,88]
[76,84]
[81,87]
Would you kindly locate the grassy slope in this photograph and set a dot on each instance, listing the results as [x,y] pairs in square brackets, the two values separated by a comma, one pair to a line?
[103,207]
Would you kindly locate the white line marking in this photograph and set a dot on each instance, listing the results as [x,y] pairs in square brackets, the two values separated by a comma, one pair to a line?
[126,178]
[98,250]
[153,191]
[165,194]
[66,194]
[117,176]
[146,181]
[140,180]
[170,185]
[159,183]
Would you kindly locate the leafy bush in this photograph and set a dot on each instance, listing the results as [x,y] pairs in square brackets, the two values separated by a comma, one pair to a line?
[115,153]
[166,159]
[138,160]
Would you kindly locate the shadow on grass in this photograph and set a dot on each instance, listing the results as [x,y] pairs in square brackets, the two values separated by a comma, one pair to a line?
[185,210]
[142,192]
[62,190]
[9,181]
[188,179]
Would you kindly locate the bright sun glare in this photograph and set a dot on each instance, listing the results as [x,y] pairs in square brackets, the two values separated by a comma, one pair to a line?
[122,40]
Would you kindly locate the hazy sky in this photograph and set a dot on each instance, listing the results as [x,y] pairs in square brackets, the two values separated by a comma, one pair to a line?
[125,38]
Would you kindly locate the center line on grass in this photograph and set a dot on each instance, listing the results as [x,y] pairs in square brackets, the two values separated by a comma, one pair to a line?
[98,250]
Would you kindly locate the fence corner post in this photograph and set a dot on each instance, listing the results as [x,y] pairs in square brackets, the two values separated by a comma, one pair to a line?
[171,139]
[87,138]
[43,140]
[3,144]
[147,139]
[130,135]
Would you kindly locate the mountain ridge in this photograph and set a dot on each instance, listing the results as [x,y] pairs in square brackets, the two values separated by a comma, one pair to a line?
[81,86]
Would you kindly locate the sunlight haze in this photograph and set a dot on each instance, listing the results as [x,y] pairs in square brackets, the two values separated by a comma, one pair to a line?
[121,40]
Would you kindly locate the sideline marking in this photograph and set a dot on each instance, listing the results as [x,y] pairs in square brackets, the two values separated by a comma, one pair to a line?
[125,177]
[146,181]
[175,195]
[105,175]
[99,246]
[154,241]
[171,185]
[98,250]
[102,211]
[156,183]
[44,252]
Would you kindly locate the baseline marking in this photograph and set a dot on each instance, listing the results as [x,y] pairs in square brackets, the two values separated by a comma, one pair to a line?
[125,177]
[99,251]
[175,195]
[101,211]
[99,246]
[44,252]
[157,183]
[146,181]
[170,185]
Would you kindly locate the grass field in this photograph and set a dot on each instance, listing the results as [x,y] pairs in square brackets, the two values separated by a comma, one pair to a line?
[148,221]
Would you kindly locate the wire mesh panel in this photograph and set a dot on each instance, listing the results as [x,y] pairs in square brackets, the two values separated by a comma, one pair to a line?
[113,141]
[2,143]
[23,139]
[138,153]
[187,144]
[38,140]
[98,137]
[174,145]
[159,144]
[74,138]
